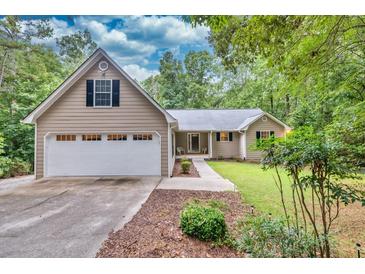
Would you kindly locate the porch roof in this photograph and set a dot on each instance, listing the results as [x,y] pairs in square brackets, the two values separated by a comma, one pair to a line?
[213,119]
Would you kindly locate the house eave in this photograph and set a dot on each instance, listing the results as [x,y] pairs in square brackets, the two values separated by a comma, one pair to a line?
[57,93]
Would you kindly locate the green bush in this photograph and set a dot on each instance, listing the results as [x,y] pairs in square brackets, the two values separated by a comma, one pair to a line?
[185,166]
[263,237]
[203,222]
[13,167]
[184,159]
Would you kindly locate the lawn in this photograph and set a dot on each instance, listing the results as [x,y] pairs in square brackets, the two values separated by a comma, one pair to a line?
[257,188]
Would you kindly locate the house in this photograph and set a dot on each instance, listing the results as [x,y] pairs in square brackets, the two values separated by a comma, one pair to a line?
[99,121]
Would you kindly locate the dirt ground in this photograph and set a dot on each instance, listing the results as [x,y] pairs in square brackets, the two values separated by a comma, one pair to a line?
[177,171]
[154,231]
[349,229]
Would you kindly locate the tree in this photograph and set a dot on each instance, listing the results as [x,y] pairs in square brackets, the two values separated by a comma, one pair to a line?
[28,73]
[76,47]
[316,195]
[152,85]
[319,58]
[172,82]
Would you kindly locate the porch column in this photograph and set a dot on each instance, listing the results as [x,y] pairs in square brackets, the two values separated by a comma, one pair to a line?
[210,151]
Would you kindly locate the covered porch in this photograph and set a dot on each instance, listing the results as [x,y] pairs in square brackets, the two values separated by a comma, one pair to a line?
[193,144]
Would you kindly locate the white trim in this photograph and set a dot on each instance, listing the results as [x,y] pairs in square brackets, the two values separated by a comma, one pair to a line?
[266,131]
[169,152]
[45,160]
[35,149]
[189,141]
[270,116]
[96,56]
[111,93]
[210,144]
[100,68]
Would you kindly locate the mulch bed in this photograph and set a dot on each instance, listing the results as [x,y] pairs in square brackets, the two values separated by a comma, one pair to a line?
[177,171]
[154,231]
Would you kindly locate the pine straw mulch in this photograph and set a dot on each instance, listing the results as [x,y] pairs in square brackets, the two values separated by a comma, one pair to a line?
[154,231]
[177,170]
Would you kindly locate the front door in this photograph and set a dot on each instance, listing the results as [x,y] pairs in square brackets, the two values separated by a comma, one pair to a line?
[194,142]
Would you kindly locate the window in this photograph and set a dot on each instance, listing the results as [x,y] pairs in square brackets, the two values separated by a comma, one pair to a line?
[224,137]
[142,137]
[265,134]
[103,93]
[91,137]
[66,137]
[117,137]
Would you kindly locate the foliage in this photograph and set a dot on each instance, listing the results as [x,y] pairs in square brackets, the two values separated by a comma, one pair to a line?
[258,188]
[76,47]
[315,63]
[185,166]
[263,237]
[28,73]
[304,148]
[203,222]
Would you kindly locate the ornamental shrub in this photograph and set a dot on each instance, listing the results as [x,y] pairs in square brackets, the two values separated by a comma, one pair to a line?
[203,222]
[185,166]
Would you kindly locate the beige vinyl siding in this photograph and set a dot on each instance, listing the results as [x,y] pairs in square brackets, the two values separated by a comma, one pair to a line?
[259,125]
[70,114]
[226,149]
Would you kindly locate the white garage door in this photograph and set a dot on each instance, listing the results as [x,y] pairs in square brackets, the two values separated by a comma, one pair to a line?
[102,154]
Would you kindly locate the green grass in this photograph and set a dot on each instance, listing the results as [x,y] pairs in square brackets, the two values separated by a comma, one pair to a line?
[257,186]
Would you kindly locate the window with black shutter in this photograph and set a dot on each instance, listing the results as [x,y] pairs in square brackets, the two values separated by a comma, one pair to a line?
[218,136]
[89,93]
[115,95]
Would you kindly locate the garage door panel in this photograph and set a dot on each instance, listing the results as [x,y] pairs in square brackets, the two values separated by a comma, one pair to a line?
[96,158]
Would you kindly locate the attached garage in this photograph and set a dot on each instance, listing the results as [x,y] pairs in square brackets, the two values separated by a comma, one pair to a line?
[102,154]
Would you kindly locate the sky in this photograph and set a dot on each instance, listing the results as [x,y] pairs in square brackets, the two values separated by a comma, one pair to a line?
[135,42]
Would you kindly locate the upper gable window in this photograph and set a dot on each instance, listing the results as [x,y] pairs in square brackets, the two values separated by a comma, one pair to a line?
[103,93]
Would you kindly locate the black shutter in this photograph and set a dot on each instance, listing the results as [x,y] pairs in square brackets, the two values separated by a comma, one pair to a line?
[230,136]
[115,93]
[272,134]
[89,93]
[218,136]
[257,135]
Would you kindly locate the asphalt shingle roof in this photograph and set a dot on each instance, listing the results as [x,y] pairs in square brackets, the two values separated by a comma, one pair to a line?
[213,119]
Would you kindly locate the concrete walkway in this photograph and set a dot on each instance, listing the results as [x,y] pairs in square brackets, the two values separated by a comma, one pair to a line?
[209,180]
[10,183]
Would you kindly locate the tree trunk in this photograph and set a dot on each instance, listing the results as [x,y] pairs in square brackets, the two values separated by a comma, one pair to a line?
[2,69]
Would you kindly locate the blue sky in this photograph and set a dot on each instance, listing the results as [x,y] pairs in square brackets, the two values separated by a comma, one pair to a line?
[135,42]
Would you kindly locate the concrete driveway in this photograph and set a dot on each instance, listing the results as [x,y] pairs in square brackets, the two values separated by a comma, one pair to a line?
[68,217]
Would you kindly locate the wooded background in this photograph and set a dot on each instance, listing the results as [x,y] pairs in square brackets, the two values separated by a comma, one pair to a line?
[305,70]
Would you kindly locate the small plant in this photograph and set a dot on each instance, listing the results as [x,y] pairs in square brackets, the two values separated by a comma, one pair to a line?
[13,167]
[203,222]
[264,237]
[184,159]
[185,166]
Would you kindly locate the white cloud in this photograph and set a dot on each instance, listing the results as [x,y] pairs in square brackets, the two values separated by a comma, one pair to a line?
[135,41]
[139,73]
[166,31]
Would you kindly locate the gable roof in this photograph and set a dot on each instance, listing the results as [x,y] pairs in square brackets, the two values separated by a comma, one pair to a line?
[218,119]
[83,68]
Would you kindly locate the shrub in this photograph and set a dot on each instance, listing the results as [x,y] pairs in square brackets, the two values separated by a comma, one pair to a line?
[184,159]
[203,222]
[13,167]
[264,237]
[185,166]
